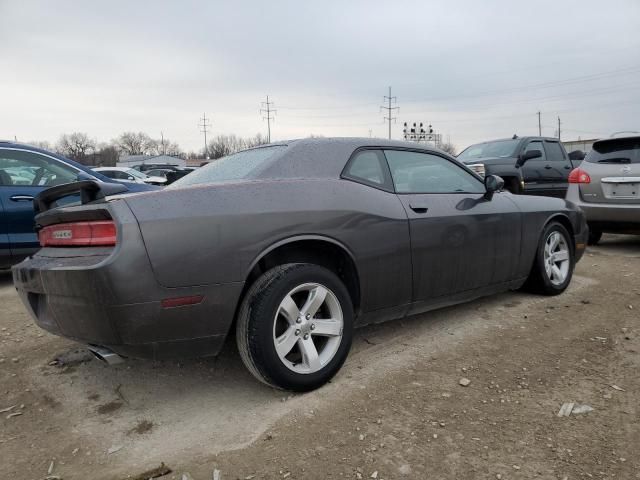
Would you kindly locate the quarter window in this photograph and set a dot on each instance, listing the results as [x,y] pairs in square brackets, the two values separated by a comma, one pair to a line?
[415,172]
[367,167]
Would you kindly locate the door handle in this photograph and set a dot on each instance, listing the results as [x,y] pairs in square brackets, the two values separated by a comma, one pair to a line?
[21,198]
[418,208]
[567,167]
[548,167]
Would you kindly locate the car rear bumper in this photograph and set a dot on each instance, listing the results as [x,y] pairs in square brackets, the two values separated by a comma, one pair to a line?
[144,330]
[109,297]
[625,215]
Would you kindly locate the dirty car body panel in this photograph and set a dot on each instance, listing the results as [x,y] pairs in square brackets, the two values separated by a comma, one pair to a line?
[209,240]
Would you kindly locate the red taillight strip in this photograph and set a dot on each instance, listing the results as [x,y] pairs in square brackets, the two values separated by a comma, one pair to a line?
[79,234]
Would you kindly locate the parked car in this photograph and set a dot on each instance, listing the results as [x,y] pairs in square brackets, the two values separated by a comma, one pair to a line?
[144,167]
[528,165]
[606,187]
[126,174]
[26,171]
[170,174]
[293,244]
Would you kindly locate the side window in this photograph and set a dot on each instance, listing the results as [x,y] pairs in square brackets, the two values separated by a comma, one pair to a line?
[367,166]
[536,145]
[554,151]
[23,168]
[415,172]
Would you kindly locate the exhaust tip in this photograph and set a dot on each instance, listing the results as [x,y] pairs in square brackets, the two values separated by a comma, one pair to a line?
[105,355]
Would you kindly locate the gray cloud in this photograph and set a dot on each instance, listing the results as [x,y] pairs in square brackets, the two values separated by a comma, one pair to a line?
[476,70]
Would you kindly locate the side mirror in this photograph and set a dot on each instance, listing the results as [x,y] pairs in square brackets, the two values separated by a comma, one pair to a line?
[492,183]
[528,156]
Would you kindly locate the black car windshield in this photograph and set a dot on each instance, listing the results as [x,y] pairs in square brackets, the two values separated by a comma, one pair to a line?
[615,150]
[237,166]
[499,148]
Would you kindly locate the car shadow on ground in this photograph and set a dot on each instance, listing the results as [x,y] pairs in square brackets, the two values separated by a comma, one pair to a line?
[5,278]
[628,245]
[194,397]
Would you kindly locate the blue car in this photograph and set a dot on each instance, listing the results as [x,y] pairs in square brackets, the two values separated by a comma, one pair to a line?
[25,171]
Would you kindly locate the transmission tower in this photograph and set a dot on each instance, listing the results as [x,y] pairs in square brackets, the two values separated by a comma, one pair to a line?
[205,128]
[391,100]
[266,111]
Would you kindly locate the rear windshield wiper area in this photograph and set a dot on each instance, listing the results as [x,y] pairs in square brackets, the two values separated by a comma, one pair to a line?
[615,160]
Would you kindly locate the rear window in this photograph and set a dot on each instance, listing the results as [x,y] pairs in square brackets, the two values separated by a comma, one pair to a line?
[241,165]
[615,150]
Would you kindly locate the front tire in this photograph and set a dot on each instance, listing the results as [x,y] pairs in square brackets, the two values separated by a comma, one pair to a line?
[295,327]
[554,263]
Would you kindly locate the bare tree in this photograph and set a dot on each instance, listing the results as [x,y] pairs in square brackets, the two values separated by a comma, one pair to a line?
[106,155]
[76,146]
[448,147]
[224,145]
[132,143]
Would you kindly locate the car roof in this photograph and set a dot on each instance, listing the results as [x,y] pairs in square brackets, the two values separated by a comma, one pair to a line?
[325,157]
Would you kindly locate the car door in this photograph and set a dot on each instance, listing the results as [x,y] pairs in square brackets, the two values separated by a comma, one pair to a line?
[5,247]
[560,164]
[24,175]
[460,240]
[538,173]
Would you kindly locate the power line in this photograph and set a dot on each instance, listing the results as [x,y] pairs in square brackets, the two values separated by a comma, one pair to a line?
[390,109]
[205,128]
[266,109]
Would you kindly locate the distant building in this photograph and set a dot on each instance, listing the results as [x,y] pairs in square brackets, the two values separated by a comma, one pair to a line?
[132,160]
[584,145]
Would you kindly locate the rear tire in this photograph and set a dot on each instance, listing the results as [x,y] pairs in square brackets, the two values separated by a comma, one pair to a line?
[594,236]
[554,263]
[295,327]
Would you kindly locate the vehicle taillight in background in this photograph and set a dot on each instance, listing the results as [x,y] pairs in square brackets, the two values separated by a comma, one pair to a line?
[578,175]
[79,234]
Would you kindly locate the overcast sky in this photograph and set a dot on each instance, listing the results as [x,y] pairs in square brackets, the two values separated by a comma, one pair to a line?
[475,70]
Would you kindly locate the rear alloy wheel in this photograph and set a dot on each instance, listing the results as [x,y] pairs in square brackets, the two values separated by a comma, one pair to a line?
[554,263]
[294,326]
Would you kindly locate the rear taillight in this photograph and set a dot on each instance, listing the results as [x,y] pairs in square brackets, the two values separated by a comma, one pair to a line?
[578,175]
[79,234]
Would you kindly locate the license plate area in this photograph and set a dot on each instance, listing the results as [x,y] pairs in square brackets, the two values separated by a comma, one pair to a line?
[621,190]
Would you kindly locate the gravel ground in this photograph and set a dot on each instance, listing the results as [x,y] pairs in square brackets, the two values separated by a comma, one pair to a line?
[396,410]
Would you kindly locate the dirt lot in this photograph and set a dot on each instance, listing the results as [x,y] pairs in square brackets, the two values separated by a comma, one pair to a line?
[396,410]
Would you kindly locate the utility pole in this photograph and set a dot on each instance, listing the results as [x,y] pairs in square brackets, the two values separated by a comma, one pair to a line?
[267,110]
[539,126]
[558,128]
[204,128]
[390,109]
[164,150]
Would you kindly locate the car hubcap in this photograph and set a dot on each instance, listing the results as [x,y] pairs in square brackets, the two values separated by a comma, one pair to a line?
[556,258]
[307,330]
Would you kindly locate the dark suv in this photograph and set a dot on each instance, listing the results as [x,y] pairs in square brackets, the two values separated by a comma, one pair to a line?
[529,165]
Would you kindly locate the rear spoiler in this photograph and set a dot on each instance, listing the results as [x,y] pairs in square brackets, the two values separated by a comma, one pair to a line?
[89,190]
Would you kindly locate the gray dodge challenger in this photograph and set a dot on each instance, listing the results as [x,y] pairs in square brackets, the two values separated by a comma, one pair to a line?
[293,245]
